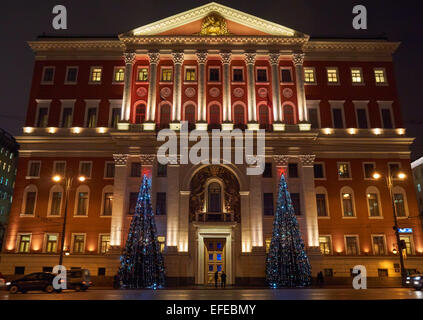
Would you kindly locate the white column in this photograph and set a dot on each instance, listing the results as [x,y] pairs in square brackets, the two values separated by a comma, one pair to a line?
[129,58]
[298,59]
[172,201]
[227,114]
[178,59]
[250,59]
[183,220]
[119,199]
[152,84]
[276,97]
[309,201]
[245,221]
[256,209]
[201,104]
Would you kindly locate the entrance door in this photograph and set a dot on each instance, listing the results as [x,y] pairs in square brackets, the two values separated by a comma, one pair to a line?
[214,258]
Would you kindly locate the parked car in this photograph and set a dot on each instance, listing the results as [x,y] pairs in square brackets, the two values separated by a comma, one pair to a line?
[78,279]
[32,282]
[415,281]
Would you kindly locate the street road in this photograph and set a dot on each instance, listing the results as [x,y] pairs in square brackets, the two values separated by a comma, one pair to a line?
[222,294]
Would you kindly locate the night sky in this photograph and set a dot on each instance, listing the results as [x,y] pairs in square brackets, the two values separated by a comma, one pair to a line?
[24,20]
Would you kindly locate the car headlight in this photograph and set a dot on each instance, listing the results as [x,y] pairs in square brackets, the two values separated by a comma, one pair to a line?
[417,278]
[408,278]
[8,283]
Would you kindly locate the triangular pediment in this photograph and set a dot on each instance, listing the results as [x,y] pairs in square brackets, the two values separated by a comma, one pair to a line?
[211,19]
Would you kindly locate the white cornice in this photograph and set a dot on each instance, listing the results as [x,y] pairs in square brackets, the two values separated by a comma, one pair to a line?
[44,45]
[348,45]
[228,13]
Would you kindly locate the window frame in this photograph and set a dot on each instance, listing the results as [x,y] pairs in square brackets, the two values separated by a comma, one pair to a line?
[330,243]
[91,168]
[100,235]
[53,189]
[372,236]
[54,172]
[399,189]
[137,80]
[81,189]
[323,190]
[358,243]
[364,169]
[362,104]
[337,105]
[105,170]
[349,170]
[346,189]
[362,82]
[389,168]
[90,80]
[257,68]
[233,74]
[73,243]
[314,104]
[43,82]
[324,170]
[107,189]
[18,242]
[162,68]
[292,75]
[66,75]
[209,68]
[115,71]
[313,69]
[66,104]
[42,103]
[186,67]
[386,83]
[329,83]
[93,104]
[28,175]
[386,105]
[374,190]
[29,188]
[46,242]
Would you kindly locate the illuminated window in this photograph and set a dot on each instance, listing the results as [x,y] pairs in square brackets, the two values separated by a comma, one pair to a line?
[351,244]
[142,74]
[268,241]
[104,243]
[399,204]
[56,200]
[119,74]
[325,245]
[380,76]
[166,75]
[91,118]
[407,244]
[82,209]
[378,245]
[42,121]
[347,204]
[78,243]
[24,242]
[107,204]
[344,170]
[162,243]
[51,243]
[95,74]
[372,200]
[309,75]
[190,74]
[356,75]
[332,74]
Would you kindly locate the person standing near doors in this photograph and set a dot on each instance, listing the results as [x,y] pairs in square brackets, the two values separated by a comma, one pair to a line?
[223,279]
[216,278]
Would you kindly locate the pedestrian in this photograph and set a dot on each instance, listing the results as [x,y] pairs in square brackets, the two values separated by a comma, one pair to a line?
[320,278]
[216,278]
[223,279]
[116,281]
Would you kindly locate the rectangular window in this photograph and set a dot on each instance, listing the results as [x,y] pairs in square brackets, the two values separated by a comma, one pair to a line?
[162,243]
[286,75]
[109,170]
[378,245]
[115,117]
[135,169]
[344,170]
[407,244]
[313,117]
[82,208]
[107,204]
[394,168]
[30,202]
[78,243]
[362,118]
[34,169]
[262,75]
[160,203]
[309,75]
[292,170]
[382,273]
[19,270]
[319,172]
[190,75]
[161,170]
[321,205]
[166,75]
[56,200]
[372,200]
[71,75]
[238,75]
[399,205]
[95,76]
[101,271]
[91,117]
[347,204]
[356,76]
[133,197]
[214,74]
[104,243]
[338,121]
[85,168]
[325,245]
[119,75]
[268,209]
[48,75]
[59,168]
[67,117]
[51,243]
[267,173]
[386,118]
[380,76]
[295,198]
[332,74]
[142,74]
[368,168]
[42,117]
[24,242]
[351,245]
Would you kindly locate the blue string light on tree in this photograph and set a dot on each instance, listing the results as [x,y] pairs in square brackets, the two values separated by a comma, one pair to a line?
[141,263]
[287,264]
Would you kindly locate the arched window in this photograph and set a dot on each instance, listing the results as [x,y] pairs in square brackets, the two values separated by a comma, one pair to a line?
[140,113]
[107,201]
[347,202]
[322,202]
[29,200]
[164,115]
[190,114]
[373,202]
[400,200]
[264,120]
[214,114]
[214,197]
[239,117]
[288,114]
[55,201]
[82,198]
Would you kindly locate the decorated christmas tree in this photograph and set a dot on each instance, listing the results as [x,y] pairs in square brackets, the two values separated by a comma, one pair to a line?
[287,264]
[141,265]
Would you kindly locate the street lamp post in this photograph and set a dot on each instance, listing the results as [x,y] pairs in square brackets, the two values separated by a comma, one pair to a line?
[389,183]
[68,184]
